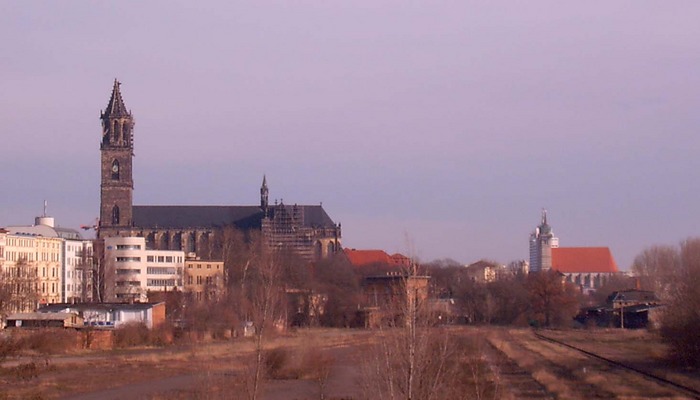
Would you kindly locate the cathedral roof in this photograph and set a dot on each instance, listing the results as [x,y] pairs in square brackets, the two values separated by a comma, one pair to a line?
[583,260]
[115,107]
[243,217]
[184,217]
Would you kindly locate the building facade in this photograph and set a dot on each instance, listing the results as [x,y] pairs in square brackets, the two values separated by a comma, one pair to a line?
[305,229]
[204,280]
[132,271]
[63,261]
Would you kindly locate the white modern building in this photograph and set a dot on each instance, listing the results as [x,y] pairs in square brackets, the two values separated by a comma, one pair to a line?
[131,271]
[542,241]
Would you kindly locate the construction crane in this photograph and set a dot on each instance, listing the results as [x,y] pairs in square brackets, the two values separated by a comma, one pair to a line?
[89,227]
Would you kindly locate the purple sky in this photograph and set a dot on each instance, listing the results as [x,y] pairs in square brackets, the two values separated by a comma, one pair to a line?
[438,129]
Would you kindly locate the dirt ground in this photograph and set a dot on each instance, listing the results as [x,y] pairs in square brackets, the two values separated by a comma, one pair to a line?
[519,367]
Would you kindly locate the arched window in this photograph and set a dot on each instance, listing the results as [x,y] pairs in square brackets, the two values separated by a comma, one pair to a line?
[115,215]
[319,250]
[115,170]
[125,132]
[115,132]
[331,249]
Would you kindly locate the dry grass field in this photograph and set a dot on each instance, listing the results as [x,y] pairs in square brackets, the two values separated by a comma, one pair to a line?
[494,363]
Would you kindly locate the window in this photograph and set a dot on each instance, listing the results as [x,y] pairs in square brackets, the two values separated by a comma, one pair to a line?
[115,215]
[160,282]
[126,271]
[208,266]
[161,259]
[128,259]
[128,247]
[150,258]
[161,270]
[169,259]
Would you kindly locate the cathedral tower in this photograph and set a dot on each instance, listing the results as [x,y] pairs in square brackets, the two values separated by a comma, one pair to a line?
[117,151]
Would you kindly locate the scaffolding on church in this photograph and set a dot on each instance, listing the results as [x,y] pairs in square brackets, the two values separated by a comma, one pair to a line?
[285,230]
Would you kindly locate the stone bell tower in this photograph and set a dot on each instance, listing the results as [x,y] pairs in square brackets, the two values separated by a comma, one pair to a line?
[117,152]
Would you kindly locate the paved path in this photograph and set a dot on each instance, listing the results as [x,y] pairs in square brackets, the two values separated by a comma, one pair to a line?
[141,390]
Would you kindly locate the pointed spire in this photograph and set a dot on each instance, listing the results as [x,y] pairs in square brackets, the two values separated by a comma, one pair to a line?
[264,194]
[115,107]
[544,216]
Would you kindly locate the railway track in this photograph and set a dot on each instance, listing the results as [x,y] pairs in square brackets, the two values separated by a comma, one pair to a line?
[685,390]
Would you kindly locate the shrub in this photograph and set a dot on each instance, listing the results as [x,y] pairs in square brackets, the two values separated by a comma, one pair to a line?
[9,347]
[132,334]
[50,341]
[275,362]
[162,335]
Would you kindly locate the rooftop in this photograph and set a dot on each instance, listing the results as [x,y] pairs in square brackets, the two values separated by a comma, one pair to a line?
[583,260]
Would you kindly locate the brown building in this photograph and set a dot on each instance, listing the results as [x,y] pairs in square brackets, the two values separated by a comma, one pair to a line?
[387,297]
[305,229]
[204,280]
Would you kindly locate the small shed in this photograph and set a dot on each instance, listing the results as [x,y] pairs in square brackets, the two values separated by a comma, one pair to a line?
[111,315]
[44,320]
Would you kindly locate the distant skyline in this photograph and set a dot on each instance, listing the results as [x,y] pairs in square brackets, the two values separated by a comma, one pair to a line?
[435,129]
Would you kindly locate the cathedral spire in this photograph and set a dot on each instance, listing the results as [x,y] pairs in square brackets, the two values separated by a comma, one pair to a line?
[116,107]
[264,194]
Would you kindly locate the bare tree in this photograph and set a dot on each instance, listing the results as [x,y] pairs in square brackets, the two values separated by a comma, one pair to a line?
[680,322]
[414,360]
[102,277]
[264,292]
[20,287]
[85,270]
[657,268]
[553,301]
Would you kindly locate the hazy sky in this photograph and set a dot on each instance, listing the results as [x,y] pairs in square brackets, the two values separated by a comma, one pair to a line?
[450,123]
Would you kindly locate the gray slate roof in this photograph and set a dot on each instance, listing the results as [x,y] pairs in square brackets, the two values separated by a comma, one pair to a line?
[243,217]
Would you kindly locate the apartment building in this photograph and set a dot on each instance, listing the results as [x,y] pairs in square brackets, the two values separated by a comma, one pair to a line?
[204,280]
[132,271]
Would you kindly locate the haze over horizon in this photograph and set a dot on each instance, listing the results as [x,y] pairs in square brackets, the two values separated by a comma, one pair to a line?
[439,130]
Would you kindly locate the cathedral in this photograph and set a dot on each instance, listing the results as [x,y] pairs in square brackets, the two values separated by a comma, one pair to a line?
[304,229]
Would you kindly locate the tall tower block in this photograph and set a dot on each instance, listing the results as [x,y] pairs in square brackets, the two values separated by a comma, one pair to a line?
[542,241]
[117,152]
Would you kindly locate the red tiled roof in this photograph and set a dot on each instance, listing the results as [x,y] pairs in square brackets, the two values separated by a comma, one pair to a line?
[583,260]
[367,257]
[400,259]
